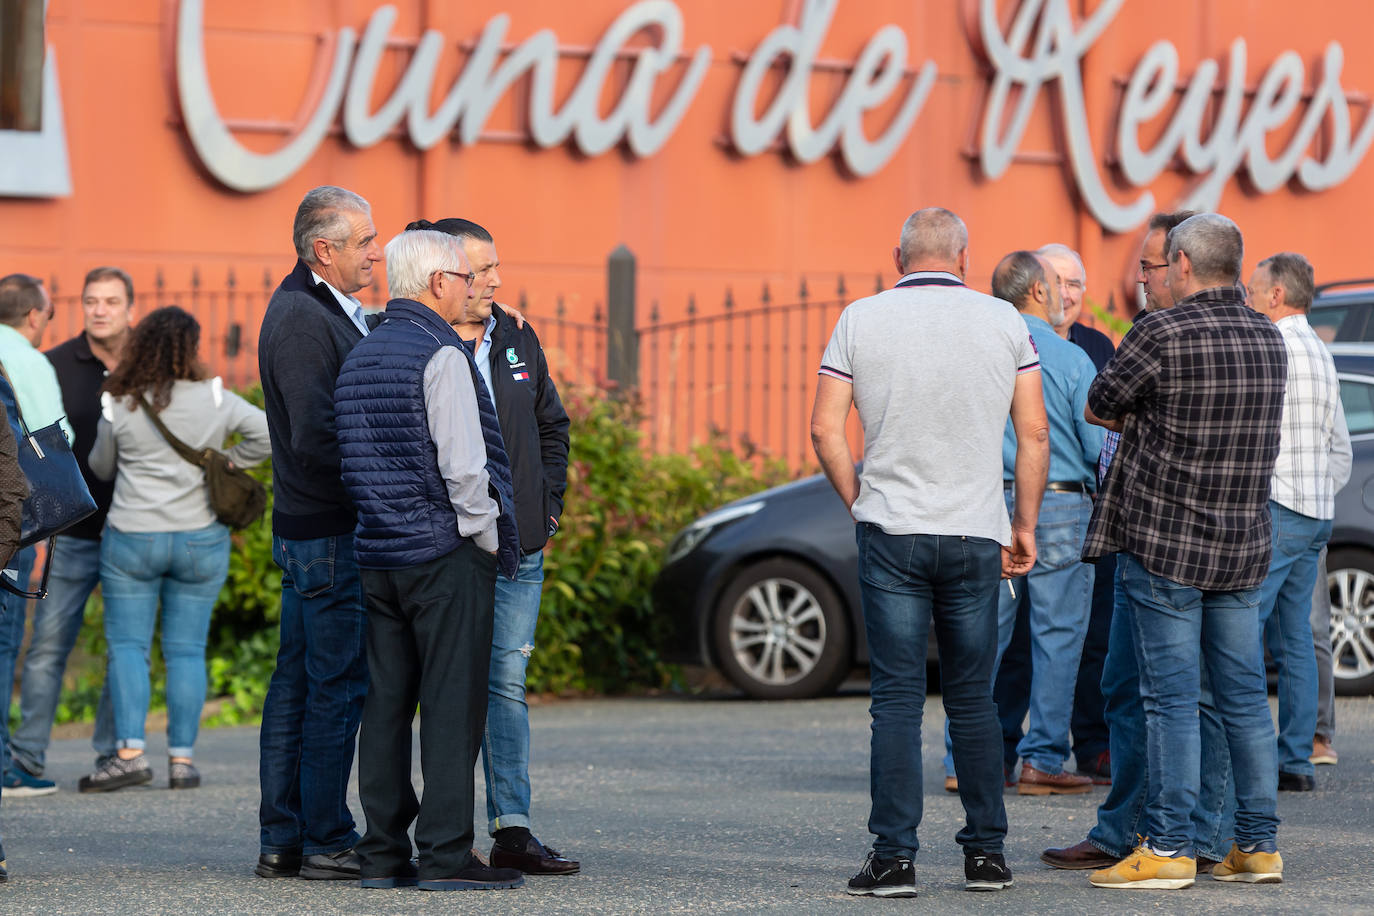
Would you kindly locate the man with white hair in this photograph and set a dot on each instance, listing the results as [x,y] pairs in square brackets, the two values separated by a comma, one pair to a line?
[1185,504]
[422,457]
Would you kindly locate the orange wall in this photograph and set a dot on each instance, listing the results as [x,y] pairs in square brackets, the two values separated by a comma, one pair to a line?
[700,217]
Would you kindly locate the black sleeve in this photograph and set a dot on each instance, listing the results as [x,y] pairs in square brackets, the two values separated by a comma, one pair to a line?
[304,373]
[553,433]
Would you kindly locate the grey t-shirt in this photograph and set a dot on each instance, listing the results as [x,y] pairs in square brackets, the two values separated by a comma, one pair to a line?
[933,366]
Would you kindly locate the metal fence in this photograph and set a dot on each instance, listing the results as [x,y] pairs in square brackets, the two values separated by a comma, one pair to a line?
[739,368]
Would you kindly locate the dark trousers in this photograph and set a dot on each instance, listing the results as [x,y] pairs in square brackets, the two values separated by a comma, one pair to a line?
[1012,689]
[428,642]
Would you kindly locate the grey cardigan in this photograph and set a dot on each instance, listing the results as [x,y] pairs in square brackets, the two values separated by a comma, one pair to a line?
[155,488]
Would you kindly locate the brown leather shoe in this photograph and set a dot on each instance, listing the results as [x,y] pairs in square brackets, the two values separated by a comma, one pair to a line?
[534,859]
[1323,753]
[1080,856]
[951,783]
[1034,782]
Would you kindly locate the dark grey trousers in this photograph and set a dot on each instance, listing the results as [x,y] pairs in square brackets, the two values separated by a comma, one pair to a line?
[428,643]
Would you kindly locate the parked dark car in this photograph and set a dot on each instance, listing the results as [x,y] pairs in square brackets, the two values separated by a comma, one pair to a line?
[766,588]
[1343,312]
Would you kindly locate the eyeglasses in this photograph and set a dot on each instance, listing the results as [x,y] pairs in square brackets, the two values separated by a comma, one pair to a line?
[467,278]
[1146,268]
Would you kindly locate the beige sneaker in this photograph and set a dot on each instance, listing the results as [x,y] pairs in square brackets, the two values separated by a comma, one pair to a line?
[1250,867]
[1323,752]
[1143,870]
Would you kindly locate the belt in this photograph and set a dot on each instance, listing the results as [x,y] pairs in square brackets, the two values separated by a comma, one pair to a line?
[1057,486]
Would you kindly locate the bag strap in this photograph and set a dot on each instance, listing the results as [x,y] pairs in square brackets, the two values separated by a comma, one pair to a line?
[18,411]
[42,591]
[181,448]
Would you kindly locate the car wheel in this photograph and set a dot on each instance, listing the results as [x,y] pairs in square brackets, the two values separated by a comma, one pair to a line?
[781,632]
[1350,574]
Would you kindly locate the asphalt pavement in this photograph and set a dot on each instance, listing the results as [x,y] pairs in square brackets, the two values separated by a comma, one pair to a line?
[673,805]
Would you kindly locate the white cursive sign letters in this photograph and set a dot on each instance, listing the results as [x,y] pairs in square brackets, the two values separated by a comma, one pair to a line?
[876,75]
[1211,128]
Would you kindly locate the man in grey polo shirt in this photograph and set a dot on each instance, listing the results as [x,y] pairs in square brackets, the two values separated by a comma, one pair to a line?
[934,369]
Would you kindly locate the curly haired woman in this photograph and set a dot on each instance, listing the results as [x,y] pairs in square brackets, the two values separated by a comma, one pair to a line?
[162,543]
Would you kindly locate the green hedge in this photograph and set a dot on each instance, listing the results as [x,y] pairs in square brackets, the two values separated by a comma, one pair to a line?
[597,629]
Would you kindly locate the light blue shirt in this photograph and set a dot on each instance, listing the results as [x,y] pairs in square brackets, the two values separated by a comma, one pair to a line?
[1066,373]
[351,307]
[35,382]
[483,355]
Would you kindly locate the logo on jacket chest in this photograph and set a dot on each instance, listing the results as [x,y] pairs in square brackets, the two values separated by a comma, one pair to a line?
[516,363]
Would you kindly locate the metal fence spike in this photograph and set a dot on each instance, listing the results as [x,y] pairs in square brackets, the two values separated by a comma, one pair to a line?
[729,298]
[802,293]
[839,287]
[691,303]
[231,282]
[653,313]
[878,282]
[767,296]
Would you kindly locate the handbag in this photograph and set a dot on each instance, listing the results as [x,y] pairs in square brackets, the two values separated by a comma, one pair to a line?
[237,499]
[58,495]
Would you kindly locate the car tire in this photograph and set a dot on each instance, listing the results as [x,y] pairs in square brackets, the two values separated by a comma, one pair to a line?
[781,632]
[1350,574]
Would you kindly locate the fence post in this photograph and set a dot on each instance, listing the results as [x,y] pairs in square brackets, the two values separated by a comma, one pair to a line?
[622,343]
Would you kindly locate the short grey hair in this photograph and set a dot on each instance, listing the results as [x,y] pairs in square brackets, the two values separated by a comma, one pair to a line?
[1016,276]
[412,257]
[932,234]
[321,216]
[1214,247]
[1294,273]
[1059,250]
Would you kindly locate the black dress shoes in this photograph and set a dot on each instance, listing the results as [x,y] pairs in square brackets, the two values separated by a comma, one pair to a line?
[1296,782]
[534,859]
[343,865]
[278,865]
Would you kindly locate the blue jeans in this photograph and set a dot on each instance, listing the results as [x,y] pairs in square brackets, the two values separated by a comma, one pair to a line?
[13,610]
[315,700]
[1286,620]
[57,622]
[506,741]
[1121,816]
[183,572]
[906,582]
[1178,629]
[1058,592]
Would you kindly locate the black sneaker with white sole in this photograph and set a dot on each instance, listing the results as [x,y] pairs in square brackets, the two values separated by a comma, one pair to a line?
[985,872]
[884,878]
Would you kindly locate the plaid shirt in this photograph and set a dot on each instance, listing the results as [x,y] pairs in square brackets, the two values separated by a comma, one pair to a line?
[1305,474]
[1200,387]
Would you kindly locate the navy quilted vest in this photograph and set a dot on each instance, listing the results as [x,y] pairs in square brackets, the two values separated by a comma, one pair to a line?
[389,467]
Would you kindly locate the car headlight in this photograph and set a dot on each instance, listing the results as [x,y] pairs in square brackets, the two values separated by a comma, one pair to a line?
[688,538]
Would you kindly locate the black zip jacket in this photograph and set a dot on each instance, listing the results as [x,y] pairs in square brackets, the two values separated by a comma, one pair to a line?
[304,338]
[534,426]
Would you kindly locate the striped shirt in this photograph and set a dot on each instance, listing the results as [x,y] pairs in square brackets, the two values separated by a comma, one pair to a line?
[1304,478]
[1200,388]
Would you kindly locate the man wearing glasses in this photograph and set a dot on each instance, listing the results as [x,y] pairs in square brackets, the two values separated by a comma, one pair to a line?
[423,459]
[534,426]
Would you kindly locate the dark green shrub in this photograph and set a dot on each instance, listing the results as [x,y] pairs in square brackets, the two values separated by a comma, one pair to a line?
[597,630]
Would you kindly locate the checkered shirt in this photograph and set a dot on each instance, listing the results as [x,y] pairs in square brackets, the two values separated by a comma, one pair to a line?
[1200,388]
[1303,479]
